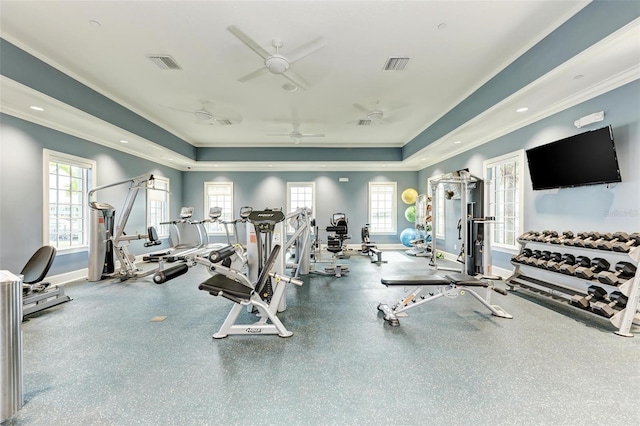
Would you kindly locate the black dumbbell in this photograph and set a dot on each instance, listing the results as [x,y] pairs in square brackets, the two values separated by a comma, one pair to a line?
[542,260]
[546,236]
[607,244]
[565,259]
[624,271]
[595,293]
[529,235]
[616,300]
[598,264]
[590,237]
[533,259]
[594,244]
[561,239]
[625,247]
[581,262]
[525,253]
[577,239]
[547,257]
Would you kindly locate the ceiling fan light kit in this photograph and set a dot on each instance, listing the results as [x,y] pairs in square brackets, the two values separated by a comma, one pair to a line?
[277,64]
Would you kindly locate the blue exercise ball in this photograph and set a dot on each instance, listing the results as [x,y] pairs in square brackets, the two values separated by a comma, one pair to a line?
[407,235]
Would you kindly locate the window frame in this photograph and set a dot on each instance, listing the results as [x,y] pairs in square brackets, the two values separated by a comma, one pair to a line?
[438,226]
[490,190]
[227,214]
[291,185]
[89,182]
[163,230]
[394,208]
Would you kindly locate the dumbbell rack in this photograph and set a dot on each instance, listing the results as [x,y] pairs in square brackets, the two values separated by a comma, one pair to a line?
[562,287]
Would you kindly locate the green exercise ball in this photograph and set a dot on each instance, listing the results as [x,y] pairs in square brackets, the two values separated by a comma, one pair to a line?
[410,214]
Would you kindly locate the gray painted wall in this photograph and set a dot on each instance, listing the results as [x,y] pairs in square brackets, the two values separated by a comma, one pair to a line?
[269,190]
[600,208]
[21,210]
[590,208]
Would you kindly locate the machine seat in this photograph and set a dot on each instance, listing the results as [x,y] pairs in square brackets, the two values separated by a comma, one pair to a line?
[230,289]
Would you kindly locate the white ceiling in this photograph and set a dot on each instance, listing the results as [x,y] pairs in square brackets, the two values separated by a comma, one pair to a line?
[454,47]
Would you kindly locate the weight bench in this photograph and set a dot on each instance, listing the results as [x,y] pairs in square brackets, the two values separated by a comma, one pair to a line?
[451,286]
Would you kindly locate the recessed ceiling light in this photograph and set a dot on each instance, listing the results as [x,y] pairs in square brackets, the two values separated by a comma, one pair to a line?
[457,142]
[423,159]
[36,108]
[523,109]
[324,165]
[123,141]
[270,165]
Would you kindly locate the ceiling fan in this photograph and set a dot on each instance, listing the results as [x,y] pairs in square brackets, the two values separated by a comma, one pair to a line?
[203,115]
[277,63]
[375,115]
[295,135]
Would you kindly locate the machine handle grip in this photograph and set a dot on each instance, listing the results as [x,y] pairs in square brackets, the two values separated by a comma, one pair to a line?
[287,279]
[500,291]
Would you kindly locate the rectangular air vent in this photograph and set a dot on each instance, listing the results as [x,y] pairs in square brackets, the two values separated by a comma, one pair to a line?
[164,62]
[223,122]
[364,122]
[396,64]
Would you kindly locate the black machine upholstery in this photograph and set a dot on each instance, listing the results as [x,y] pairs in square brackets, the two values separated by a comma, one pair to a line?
[339,227]
[221,285]
[38,266]
[427,280]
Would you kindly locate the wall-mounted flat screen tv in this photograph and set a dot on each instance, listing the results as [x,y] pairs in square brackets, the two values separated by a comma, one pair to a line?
[585,159]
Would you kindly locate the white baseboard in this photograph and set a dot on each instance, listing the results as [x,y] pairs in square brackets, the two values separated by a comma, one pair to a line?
[61,279]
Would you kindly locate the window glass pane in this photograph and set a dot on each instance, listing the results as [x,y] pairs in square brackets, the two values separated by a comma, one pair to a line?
[504,197]
[68,180]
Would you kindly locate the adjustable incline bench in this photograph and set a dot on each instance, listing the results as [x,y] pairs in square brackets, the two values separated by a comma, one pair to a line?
[451,286]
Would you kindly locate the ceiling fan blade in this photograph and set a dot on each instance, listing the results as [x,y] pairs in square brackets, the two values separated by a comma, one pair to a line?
[293,77]
[278,134]
[306,50]
[248,41]
[253,75]
[177,109]
[361,108]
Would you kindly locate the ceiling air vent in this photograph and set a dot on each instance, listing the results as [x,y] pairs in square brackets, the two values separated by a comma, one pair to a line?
[223,122]
[396,64]
[364,122]
[164,62]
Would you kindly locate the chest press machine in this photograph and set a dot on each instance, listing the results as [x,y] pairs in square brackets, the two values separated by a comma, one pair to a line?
[264,296]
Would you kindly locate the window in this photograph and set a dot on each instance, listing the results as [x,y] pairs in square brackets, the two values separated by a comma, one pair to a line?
[67,180]
[504,189]
[219,194]
[300,194]
[383,207]
[158,205]
[439,225]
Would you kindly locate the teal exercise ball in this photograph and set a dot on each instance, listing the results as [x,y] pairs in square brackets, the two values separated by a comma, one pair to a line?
[407,235]
[410,214]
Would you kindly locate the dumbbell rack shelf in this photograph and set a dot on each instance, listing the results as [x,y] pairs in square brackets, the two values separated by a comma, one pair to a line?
[562,287]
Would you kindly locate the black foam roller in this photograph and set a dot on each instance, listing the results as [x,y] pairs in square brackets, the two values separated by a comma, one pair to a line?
[163,276]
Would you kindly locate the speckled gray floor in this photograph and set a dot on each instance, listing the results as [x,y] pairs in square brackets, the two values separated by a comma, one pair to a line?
[100,360]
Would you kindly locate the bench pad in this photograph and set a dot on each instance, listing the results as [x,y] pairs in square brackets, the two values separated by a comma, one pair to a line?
[415,280]
[464,279]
